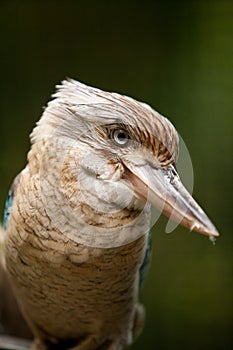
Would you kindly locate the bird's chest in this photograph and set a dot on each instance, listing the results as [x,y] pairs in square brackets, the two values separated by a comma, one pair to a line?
[69,288]
[66,288]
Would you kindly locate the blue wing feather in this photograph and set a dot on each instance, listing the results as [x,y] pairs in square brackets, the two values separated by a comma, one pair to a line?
[7,209]
[146,262]
[9,201]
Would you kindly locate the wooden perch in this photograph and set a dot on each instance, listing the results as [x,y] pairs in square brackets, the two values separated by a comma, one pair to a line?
[13,343]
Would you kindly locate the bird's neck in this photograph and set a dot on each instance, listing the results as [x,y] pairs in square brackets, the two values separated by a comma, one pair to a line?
[70,207]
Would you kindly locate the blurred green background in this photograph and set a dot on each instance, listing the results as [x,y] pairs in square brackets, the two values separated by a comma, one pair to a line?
[177,56]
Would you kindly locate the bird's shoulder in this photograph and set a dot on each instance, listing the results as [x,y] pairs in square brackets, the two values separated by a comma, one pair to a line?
[9,200]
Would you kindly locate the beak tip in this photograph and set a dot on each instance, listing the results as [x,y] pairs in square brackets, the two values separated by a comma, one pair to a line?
[207,230]
[213,234]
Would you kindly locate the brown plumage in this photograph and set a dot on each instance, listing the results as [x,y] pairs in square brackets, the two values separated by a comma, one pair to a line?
[77,238]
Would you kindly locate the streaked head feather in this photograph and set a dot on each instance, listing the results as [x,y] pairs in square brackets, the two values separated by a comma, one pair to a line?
[77,109]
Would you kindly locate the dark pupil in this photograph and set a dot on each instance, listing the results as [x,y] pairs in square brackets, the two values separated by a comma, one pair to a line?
[121,136]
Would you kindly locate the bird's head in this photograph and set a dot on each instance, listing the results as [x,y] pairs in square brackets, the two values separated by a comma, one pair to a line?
[125,154]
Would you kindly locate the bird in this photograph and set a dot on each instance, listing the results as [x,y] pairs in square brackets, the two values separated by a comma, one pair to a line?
[77,236]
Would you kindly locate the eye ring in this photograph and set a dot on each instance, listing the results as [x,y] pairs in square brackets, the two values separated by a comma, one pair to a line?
[120,137]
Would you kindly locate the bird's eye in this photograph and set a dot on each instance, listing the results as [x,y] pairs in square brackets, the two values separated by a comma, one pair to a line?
[120,137]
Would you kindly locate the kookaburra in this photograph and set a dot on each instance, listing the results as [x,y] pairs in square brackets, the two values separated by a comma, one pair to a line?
[77,220]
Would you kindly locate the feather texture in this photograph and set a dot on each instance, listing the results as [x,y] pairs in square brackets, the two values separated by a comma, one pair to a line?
[77,219]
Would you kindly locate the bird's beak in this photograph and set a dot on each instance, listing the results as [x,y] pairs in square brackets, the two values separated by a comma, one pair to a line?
[162,188]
